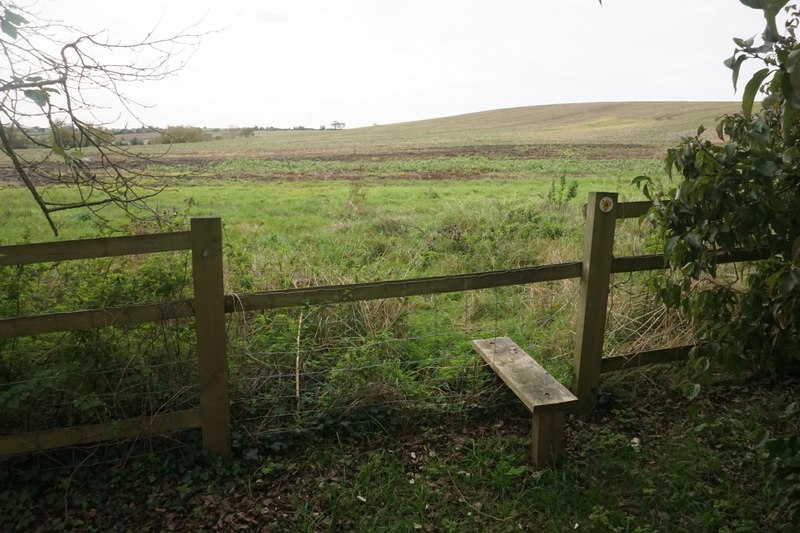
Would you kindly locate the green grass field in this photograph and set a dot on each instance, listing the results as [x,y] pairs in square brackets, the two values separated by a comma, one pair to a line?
[398,426]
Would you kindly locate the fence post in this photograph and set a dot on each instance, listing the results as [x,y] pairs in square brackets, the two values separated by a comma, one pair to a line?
[598,244]
[209,307]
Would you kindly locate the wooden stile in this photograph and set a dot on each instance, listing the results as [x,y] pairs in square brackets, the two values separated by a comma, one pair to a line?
[541,393]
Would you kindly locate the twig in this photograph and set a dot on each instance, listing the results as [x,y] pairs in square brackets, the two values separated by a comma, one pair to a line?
[297,359]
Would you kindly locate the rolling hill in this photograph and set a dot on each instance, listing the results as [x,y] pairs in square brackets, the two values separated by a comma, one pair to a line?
[634,129]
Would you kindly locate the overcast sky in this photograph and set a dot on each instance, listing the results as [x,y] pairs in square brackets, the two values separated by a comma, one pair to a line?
[309,62]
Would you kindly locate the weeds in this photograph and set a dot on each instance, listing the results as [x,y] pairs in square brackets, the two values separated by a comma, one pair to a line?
[640,466]
[560,195]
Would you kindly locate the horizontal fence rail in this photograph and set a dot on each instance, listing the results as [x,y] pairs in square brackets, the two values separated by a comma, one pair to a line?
[633,209]
[256,301]
[642,263]
[136,314]
[24,254]
[400,288]
[638,359]
[95,318]
[95,433]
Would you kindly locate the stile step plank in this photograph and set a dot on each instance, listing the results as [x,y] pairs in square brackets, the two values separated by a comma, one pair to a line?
[537,389]
[541,393]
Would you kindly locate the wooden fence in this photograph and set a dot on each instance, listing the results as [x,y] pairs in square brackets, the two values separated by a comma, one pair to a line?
[210,304]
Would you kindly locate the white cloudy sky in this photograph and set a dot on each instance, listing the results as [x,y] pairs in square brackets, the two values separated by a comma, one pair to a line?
[309,62]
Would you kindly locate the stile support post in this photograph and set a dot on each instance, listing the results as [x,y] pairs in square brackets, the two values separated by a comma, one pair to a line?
[209,306]
[598,245]
[547,435]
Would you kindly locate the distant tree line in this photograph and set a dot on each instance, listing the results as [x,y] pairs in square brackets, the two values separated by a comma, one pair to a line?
[69,136]
[61,134]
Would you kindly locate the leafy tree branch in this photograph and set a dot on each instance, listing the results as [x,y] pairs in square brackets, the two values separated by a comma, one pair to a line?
[57,82]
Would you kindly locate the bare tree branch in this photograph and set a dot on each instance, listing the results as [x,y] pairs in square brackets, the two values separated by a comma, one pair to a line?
[50,81]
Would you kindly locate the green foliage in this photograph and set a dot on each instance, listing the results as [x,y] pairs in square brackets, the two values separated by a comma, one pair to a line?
[740,193]
[782,457]
[560,195]
[10,21]
[92,375]
[65,136]
[464,471]
[743,192]
[181,134]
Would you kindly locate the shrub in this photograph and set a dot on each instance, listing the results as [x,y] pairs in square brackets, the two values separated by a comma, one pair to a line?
[182,134]
[742,192]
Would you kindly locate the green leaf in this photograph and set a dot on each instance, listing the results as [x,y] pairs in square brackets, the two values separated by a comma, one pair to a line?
[13,18]
[750,91]
[694,241]
[693,391]
[8,28]
[702,364]
[736,67]
[766,167]
[790,154]
[764,48]
[793,68]
[39,97]
[761,436]
[787,281]
[789,93]
[771,281]
[671,244]
[788,118]
[59,151]
[742,43]
[731,60]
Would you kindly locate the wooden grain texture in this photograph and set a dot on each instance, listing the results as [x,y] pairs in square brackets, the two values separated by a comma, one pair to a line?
[209,304]
[633,209]
[23,254]
[134,314]
[598,243]
[547,436]
[641,263]
[95,433]
[639,359]
[537,389]
[94,318]
[401,288]
[627,209]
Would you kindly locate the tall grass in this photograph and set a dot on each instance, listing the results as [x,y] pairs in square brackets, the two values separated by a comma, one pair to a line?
[312,365]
